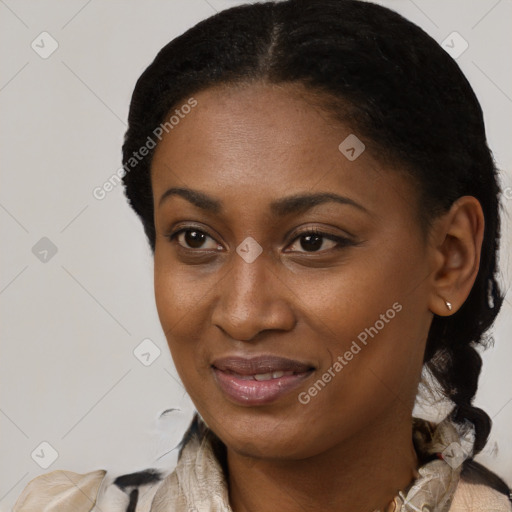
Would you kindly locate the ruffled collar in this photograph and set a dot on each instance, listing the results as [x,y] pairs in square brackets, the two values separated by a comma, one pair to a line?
[199,481]
[447,445]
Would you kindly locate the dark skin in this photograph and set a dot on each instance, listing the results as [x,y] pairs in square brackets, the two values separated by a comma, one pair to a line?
[350,447]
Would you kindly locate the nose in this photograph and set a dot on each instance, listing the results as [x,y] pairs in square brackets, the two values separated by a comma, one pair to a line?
[252,299]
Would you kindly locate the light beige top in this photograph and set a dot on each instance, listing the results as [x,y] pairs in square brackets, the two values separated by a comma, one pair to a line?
[197,484]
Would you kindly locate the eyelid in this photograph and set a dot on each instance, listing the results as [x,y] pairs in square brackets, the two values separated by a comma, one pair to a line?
[319,231]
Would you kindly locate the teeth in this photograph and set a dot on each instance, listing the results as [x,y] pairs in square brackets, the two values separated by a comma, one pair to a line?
[263,376]
[245,377]
[271,375]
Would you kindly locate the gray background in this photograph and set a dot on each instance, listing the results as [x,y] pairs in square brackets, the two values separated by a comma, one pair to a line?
[72,320]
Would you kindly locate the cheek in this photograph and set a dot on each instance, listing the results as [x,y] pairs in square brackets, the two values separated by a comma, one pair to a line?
[345,300]
[372,366]
[183,298]
[371,314]
[180,293]
[339,312]
[177,300]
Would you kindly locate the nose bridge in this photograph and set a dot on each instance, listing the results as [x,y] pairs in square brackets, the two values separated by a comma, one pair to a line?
[249,301]
[246,290]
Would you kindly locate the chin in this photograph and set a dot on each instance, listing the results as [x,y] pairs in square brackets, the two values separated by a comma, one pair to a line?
[265,437]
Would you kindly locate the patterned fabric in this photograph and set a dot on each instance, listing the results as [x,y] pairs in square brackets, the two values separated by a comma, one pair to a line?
[198,484]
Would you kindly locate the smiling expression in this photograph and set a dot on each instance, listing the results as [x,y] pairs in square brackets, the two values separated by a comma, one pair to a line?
[340,244]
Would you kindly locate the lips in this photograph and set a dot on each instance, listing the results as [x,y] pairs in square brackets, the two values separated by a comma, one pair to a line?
[259,380]
[260,364]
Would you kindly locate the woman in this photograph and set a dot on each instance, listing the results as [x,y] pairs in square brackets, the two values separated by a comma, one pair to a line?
[315,184]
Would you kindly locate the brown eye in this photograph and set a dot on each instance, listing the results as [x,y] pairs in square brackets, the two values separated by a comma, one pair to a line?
[194,239]
[317,242]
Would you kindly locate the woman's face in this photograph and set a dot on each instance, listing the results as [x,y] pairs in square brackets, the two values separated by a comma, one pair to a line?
[291,279]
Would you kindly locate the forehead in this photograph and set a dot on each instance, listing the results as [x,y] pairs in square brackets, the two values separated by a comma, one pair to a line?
[255,122]
[268,140]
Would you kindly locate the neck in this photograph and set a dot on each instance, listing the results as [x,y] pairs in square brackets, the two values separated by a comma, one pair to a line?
[360,474]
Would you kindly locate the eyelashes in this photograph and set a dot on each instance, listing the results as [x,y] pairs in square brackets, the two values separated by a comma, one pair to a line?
[196,236]
[312,236]
[311,240]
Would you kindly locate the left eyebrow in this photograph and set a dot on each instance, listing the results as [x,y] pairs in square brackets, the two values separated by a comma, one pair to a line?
[303,202]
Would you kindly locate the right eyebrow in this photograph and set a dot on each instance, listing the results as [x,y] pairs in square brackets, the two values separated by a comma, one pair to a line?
[195,197]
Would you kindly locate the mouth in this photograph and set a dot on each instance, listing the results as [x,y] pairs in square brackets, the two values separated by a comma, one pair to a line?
[259,380]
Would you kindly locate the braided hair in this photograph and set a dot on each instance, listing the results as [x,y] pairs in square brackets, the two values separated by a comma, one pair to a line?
[393,84]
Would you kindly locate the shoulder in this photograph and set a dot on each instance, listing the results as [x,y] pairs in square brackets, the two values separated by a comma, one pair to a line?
[470,497]
[64,490]
[60,490]
[480,490]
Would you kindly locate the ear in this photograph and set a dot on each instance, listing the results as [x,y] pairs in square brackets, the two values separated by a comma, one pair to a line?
[456,244]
